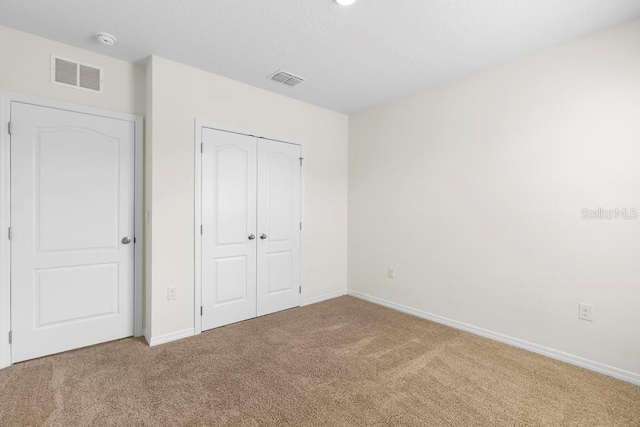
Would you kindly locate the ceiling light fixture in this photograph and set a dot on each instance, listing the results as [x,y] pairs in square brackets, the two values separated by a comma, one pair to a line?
[106,39]
[345,2]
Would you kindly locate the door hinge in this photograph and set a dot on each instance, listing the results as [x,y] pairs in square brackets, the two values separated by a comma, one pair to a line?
[301,226]
[202,229]
[301,159]
[10,337]
[10,128]
[201,147]
[300,289]
[10,234]
[201,310]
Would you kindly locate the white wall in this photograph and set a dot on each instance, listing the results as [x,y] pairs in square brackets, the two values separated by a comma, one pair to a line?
[26,69]
[181,94]
[474,190]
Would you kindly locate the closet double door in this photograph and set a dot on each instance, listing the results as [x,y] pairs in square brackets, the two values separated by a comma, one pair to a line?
[250,227]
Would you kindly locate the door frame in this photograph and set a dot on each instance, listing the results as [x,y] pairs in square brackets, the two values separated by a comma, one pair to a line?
[6,98]
[197,237]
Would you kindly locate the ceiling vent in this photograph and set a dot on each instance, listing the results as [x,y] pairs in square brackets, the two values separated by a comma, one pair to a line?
[286,78]
[67,72]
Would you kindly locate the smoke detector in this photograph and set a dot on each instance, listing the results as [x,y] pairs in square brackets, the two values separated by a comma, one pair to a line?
[286,78]
[106,39]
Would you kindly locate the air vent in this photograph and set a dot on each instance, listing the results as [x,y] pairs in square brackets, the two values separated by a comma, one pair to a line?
[67,72]
[286,78]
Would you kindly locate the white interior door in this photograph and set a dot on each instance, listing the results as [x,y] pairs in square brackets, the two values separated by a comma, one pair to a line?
[229,228]
[72,204]
[278,226]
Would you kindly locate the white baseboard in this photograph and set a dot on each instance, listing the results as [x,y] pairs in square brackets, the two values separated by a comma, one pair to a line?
[611,371]
[163,339]
[173,336]
[146,336]
[324,297]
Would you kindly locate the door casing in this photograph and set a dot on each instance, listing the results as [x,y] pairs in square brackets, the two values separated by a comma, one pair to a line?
[6,98]
[199,125]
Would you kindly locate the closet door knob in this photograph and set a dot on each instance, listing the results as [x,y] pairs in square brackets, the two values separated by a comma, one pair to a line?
[263,236]
[252,236]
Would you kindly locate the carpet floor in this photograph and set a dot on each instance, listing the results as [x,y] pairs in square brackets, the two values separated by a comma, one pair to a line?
[343,362]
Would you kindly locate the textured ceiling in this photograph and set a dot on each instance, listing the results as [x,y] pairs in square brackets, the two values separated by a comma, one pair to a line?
[353,57]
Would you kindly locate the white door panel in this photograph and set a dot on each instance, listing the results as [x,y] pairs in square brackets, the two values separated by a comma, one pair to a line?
[72,186]
[58,291]
[279,226]
[228,218]
[67,196]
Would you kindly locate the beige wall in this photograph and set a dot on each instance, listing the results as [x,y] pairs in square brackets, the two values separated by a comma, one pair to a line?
[26,69]
[473,191]
[148,186]
[181,94]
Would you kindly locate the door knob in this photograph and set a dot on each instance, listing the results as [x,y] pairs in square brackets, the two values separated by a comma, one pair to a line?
[252,236]
[263,236]
[126,240]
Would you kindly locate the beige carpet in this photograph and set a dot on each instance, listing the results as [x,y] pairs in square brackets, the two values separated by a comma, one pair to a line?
[339,363]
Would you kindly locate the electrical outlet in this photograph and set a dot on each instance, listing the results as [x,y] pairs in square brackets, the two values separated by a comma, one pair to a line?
[172,293]
[585,312]
[391,273]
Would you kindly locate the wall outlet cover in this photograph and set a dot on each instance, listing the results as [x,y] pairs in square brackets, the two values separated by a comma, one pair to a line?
[585,312]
